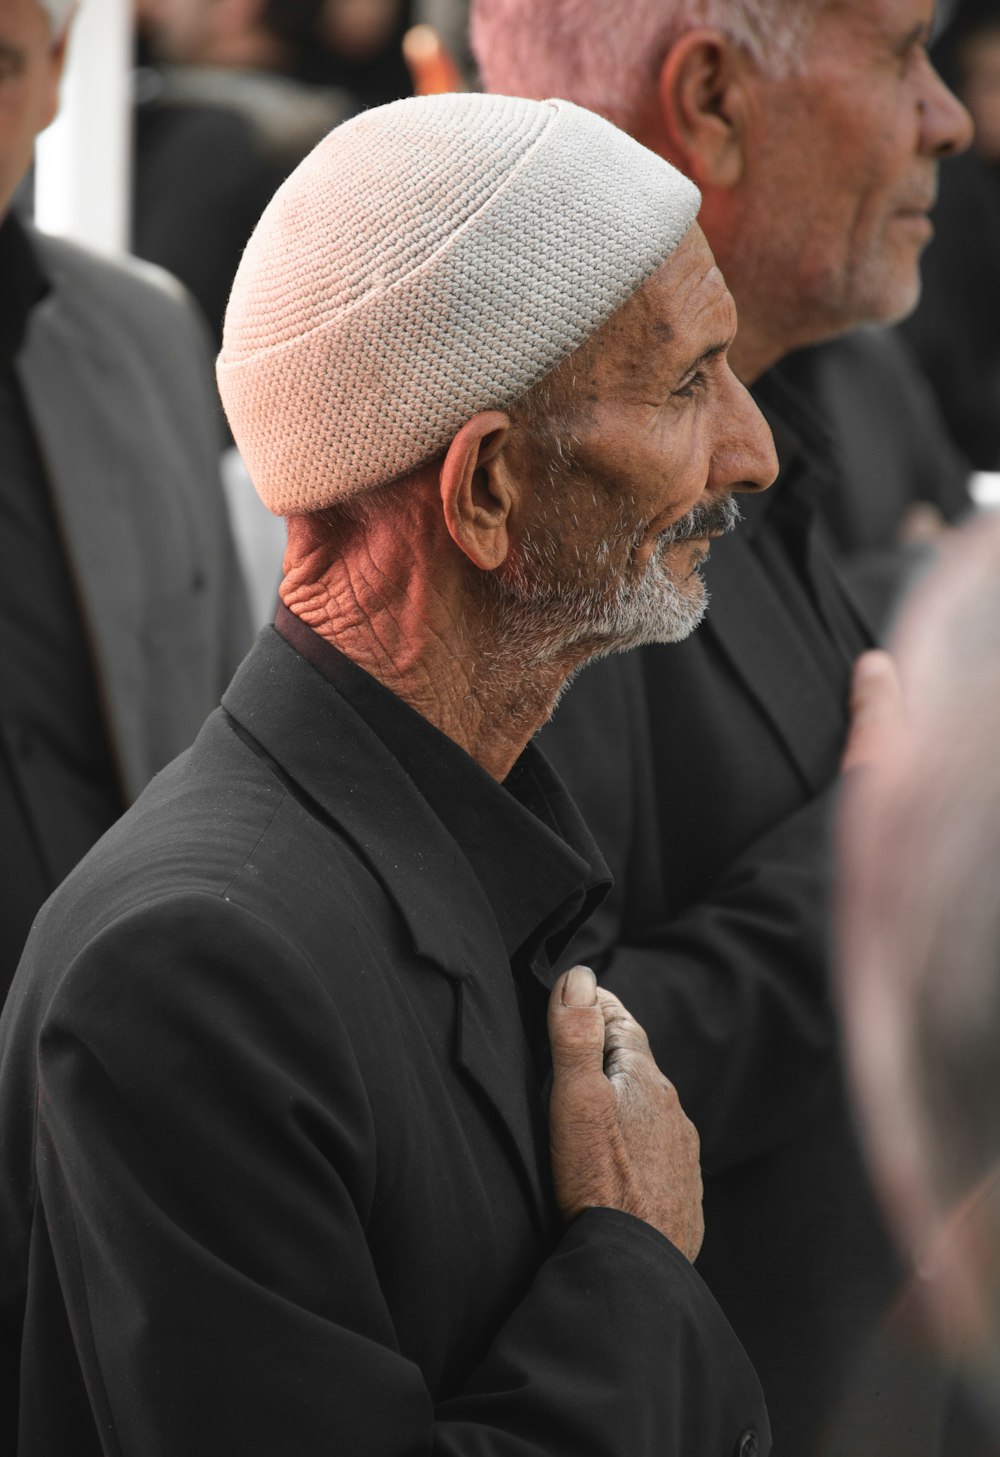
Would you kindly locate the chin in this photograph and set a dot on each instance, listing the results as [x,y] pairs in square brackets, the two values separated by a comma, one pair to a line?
[892,293]
[899,305]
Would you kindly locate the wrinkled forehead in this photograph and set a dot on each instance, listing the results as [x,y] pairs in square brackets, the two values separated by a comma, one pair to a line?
[682,309]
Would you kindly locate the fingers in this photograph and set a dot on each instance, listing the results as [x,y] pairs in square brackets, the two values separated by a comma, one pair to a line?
[589,1029]
[619,1138]
[876,710]
[576,1024]
[922,525]
[621,1028]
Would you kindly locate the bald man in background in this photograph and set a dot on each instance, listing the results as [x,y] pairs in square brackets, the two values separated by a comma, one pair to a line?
[919,984]
[706,773]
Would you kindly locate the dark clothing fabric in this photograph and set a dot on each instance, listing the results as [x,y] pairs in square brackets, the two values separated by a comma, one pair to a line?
[122,613]
[890,446]
[706,771]
[288,1188]
[955,331]
[889,449]
[535,887]
[24,283]
[51,728]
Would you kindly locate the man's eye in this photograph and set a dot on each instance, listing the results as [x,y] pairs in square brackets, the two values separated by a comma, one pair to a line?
[691,386]
[11,65]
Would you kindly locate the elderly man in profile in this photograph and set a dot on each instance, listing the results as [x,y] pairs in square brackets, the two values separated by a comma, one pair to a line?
[278,1171]
[706,771]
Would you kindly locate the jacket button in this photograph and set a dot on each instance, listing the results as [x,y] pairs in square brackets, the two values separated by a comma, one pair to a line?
[748,1444]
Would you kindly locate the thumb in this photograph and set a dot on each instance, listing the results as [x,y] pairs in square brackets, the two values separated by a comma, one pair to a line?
[876,710]
[576,1024]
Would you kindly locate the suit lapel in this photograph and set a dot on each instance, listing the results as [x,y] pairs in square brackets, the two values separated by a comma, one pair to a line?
[325,747]
[74,395]
[750,623]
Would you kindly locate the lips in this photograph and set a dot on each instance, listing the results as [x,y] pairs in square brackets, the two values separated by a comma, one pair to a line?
[918,222]
[922,200]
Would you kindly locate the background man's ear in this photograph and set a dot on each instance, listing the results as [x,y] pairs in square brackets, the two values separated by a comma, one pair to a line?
[703,106]
[478,491]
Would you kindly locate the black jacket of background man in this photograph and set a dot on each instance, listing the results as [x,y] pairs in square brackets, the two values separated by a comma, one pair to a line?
[705,771]
[287,1188]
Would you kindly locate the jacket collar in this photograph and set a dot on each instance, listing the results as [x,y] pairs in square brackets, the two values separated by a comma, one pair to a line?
[431,863]
[749,618]
[524,841]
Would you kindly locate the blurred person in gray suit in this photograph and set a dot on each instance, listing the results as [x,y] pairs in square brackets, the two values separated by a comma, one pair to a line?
[122,611]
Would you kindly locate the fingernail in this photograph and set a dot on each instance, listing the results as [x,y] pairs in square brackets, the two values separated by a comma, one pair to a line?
[870,665]
[580,988]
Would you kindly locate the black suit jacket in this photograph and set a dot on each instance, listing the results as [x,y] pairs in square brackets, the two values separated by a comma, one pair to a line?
[287,1190]
[706,772]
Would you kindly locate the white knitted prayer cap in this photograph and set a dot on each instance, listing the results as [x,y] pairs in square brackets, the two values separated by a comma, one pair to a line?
[430,259]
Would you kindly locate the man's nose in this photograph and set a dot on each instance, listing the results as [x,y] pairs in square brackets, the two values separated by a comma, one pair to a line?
[748,459]
[946,128]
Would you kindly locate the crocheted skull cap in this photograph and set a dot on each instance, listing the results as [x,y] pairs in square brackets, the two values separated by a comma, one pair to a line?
[430,259]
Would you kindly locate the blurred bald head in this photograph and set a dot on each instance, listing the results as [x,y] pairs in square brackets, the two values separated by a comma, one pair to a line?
[920,974]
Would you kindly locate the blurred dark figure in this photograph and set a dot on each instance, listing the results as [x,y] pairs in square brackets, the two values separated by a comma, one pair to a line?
[122,614]
[220,122]
[897,481]
[357,45]
[956,330]
[920,990]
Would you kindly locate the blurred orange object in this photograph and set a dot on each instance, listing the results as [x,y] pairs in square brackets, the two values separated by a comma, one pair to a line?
[431,67]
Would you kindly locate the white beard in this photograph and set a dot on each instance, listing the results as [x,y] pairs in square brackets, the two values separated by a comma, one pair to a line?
[542,614]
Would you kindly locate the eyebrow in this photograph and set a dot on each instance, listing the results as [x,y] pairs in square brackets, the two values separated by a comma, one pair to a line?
[920,34]
[712,352]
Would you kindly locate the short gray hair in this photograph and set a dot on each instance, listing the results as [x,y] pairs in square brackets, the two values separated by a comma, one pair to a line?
[571,48]
[59,12]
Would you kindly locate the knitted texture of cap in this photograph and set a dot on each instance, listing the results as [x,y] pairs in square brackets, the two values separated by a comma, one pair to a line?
[430,259]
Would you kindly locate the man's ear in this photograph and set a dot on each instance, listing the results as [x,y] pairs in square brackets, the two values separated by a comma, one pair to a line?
[477,489]
[703,106]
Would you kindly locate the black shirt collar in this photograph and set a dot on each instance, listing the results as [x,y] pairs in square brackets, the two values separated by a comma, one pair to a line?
[22,284]
[525,840]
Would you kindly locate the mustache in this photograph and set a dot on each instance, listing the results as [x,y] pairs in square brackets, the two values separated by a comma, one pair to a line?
[713,518]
